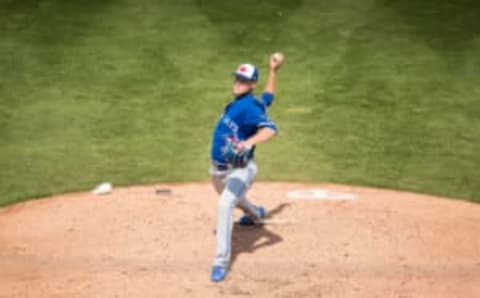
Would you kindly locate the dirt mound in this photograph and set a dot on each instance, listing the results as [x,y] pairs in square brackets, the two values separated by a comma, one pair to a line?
[137,242]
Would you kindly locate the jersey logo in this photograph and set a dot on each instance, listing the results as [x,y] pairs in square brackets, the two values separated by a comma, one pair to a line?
[230,124]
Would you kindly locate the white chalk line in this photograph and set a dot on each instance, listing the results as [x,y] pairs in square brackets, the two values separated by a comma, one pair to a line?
[320,195]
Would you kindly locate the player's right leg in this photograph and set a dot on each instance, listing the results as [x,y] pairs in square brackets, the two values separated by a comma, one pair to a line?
[234,189]
[224,222]
[227,202]
[218,178]
[237,182]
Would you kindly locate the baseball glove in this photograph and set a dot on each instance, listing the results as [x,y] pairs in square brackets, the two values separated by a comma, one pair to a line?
[235,154]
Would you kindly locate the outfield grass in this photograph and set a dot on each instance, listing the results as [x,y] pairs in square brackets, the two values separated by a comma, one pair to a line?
[382,93]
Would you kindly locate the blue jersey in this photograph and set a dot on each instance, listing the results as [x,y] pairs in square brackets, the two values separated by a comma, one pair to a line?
[241,119]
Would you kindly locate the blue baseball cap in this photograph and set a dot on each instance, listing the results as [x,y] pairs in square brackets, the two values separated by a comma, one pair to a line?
[247,71]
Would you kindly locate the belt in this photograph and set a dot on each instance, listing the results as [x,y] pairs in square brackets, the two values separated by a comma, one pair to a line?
[224,167]
[220,167]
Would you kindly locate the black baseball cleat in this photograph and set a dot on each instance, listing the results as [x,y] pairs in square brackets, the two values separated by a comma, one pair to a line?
[247,220]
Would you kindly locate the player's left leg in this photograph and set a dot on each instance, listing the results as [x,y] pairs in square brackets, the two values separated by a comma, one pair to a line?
[252,214]
[219,180]
[247,207]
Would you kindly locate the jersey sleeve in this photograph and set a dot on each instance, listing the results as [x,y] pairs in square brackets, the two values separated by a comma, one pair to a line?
[257,117]
[267,98]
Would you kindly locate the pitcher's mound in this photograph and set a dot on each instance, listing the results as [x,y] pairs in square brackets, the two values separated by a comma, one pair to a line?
[158,241]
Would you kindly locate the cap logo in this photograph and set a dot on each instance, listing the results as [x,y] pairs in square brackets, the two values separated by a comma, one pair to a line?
[247,71]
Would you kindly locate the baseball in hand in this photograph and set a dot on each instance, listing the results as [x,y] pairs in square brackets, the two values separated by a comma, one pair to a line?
[276,60]
[278,57]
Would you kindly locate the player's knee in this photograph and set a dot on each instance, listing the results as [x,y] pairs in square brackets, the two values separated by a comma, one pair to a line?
[226,201]
[237,186]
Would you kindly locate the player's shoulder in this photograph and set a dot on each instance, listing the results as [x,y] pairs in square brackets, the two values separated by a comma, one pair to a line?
[255,102]
[250,103]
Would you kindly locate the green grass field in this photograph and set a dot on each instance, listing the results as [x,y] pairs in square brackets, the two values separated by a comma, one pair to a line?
[374,92]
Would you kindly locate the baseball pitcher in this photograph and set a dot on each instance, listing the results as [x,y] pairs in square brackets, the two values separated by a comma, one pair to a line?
[243,125]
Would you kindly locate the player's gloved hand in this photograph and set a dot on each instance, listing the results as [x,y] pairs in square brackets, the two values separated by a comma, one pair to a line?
[236,153]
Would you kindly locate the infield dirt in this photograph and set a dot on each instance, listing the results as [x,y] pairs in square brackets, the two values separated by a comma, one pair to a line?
[141,242]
